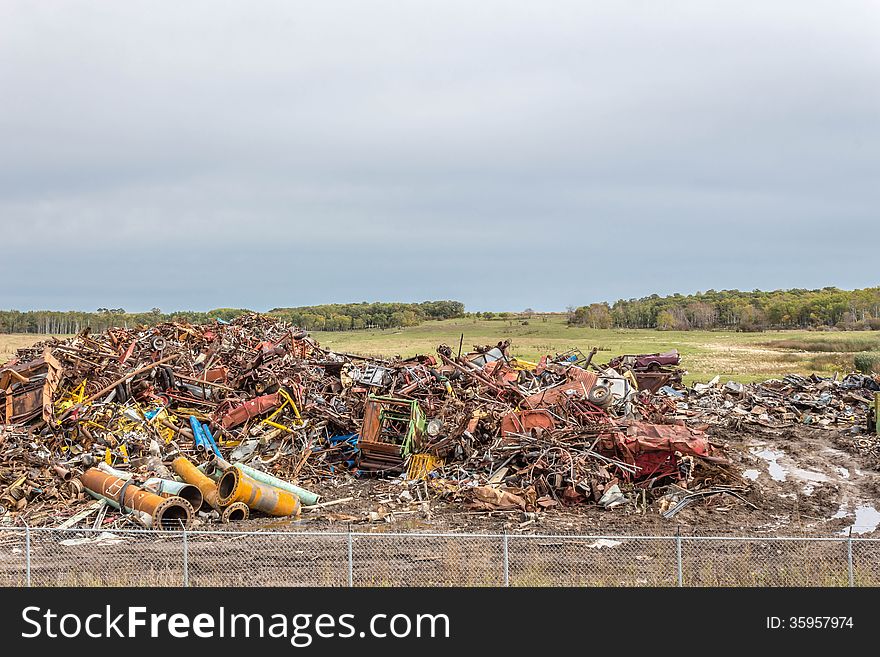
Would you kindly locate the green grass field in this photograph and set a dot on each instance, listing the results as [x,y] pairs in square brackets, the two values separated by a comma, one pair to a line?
[738,356]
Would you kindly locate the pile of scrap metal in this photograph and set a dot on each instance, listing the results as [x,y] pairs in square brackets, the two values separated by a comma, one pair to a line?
[176,423]
[651,371]
[831,402]
[112,418]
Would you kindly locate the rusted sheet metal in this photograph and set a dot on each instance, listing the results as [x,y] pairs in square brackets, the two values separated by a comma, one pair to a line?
[250,409]
[217,375]
[647,437]
[23,403]
[499,370]
[655,449]
[524,421]
[580,383]
[236,486]
[22,388]
[147,508]
[652,381]
[370,427]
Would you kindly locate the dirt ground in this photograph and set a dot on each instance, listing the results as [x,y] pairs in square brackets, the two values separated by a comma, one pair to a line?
[802,481]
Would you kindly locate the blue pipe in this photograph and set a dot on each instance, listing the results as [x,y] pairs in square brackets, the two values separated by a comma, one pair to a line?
[209,440]
[198,434]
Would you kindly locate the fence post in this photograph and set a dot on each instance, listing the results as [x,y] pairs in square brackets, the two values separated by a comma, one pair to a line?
[678,556]
[185,558]
[506,561]
[27,551]
[350,560]
[849,559]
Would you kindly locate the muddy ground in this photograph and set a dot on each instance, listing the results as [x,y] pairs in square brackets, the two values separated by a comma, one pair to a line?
[801,479]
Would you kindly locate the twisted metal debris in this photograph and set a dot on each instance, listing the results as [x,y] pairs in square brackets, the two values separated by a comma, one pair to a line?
[254,413]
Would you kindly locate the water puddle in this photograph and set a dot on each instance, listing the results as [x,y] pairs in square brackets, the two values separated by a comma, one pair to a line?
[809,475]
[777,472]
[752,475]
[867,520]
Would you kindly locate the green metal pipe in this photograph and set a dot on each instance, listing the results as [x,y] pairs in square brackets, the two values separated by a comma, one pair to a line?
[210,470]
[190,493]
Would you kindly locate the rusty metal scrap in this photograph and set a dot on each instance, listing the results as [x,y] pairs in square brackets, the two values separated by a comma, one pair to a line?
[148,509]
[484,428]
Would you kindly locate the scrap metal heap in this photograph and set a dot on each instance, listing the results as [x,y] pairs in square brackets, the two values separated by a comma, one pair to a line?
[124,417]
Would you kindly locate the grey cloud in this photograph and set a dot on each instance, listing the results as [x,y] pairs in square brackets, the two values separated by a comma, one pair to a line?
[343,151]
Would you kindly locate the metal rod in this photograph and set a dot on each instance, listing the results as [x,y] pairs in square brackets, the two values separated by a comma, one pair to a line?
[506,561]
[849,559]
[27,551]
[678,557]
[185,557]
[350,561]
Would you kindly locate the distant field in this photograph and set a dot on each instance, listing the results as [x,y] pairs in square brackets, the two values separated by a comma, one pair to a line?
[738,356]
[9,342]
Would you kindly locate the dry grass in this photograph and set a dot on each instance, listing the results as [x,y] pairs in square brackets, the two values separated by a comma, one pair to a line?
[9,342]
[838,344]
[737,356]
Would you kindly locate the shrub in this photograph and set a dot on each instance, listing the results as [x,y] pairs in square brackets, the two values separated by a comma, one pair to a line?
[867,362]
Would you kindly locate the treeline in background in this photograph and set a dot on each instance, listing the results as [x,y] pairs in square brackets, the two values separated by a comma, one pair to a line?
[354,316]
[740,311]
[331,317]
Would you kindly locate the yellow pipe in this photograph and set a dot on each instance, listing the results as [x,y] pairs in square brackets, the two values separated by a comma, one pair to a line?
[236,486]
[192,475]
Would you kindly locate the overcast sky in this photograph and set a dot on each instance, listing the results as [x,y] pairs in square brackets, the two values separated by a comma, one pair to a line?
[506,154]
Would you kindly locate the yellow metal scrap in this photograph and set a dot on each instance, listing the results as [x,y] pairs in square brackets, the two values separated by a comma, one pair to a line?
[421,465]
[288,402]
[72,398]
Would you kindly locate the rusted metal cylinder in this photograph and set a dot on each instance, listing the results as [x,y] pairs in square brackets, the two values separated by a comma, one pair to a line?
[74,487]
[168,488]
[192,475]
[236,486]
[148,509]
[63,473]
[235,512]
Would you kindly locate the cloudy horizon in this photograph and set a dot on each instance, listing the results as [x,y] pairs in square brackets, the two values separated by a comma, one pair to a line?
[505,154]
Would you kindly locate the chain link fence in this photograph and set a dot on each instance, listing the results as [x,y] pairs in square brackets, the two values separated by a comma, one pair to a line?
[77,557]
